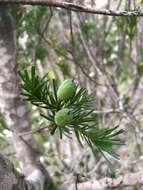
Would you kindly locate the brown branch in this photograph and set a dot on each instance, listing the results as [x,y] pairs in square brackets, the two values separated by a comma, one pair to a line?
[35,131]
[72,6]
[126,180]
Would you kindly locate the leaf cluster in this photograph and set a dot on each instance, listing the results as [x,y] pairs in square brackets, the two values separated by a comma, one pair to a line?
[127,25]
[42,92]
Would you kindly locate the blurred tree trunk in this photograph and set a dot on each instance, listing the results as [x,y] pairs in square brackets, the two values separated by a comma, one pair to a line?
[16,115]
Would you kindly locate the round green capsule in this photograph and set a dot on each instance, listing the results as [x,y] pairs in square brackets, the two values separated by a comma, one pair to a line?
[66,90]
[63,117]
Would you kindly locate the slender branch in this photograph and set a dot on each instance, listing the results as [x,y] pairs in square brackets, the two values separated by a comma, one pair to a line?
[73,53]
[39,39]
[35,131]
[72,6]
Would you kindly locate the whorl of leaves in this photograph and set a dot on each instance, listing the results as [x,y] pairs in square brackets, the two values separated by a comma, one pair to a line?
[42,92]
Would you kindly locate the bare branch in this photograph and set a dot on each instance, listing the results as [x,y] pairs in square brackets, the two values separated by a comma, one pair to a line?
[127,180]
[35,131]
[72,6]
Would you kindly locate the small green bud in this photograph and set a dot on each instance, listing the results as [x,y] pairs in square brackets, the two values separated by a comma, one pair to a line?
[66,90]
[63,117]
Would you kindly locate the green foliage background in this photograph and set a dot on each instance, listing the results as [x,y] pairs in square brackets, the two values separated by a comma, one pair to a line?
[61,44]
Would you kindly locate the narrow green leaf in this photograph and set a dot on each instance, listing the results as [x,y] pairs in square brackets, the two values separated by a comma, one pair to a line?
[78,137]
[45,77]
[26,75]
[55,88]
[53,129]
[77,96]
[33,72]
[108,162]
[24,94]
[47,117]
[91,146]
[113,154]
[60,132]
[116,133]
[52,99]
[21,75]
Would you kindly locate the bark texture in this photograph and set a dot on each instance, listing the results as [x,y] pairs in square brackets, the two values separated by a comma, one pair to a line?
[15,111]
[9,177]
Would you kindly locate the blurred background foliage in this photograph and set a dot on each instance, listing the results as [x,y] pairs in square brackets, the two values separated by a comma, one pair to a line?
[100,53]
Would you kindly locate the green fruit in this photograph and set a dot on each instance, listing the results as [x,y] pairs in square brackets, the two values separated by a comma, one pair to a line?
[66,90]
[63,117]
